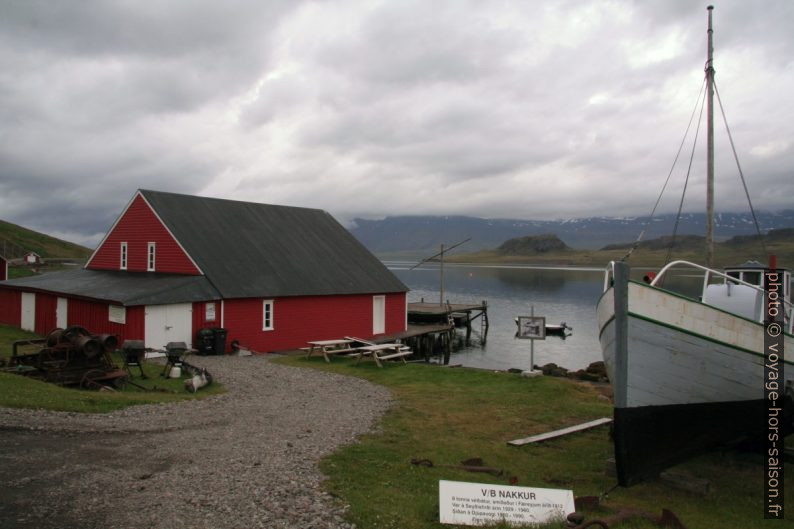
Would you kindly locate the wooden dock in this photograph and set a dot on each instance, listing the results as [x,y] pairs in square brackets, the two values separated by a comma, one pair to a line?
[457,314]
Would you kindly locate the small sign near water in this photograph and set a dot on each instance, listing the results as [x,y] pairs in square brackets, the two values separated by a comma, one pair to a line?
[532,327]
[480,503]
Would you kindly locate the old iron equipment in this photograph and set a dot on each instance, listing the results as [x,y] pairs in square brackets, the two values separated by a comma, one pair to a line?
[174,351]
[71,356]
[133,352]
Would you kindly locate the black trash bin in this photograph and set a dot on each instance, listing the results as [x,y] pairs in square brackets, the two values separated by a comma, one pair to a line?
[220,340]
[205,341]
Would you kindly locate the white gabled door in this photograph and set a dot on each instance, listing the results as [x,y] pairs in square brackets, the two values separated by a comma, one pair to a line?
[61,314]
[28,317]
[378,314]
[168,323]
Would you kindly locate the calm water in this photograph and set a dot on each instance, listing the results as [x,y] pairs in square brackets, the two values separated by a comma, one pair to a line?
[559,294]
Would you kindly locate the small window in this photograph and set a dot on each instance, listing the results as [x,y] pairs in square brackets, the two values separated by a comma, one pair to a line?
[209,311]
[150,262]
[123,264]
[267,315]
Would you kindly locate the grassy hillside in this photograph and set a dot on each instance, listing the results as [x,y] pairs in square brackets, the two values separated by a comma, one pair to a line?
[654,253]
[19,240]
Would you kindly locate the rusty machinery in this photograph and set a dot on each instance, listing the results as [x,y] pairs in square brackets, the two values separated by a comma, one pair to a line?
[71,356]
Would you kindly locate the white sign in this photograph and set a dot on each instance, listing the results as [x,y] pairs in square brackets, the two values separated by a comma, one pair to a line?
[480,504]
[117,314]
[532,327]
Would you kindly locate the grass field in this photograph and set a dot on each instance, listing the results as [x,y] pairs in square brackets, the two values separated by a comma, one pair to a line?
[724,255]
[449,415]
[22,392]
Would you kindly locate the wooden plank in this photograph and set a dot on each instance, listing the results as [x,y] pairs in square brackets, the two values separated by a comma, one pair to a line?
[561,432]
[395,355]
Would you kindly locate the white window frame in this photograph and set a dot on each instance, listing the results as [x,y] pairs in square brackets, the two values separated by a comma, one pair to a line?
[123,256]
[267,315]
[151,256]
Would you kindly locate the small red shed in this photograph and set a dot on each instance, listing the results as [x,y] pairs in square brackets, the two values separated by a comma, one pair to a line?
[274,277]
[31,258]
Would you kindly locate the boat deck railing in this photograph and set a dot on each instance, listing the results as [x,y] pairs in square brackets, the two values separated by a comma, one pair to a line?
[709,273]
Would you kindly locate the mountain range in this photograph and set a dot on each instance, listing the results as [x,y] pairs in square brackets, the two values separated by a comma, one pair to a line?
[414,236]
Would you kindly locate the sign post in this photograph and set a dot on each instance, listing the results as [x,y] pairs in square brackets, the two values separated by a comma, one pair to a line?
[531,328]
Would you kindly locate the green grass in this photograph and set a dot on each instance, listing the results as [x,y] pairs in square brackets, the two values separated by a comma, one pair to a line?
[24,240]
[22,392]
[724,255]
[449,415]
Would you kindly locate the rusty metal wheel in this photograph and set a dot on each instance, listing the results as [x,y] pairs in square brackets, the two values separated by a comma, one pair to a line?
[90,379]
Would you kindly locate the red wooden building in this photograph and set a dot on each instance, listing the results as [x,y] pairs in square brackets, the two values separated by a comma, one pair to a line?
[3,268]
[274,277]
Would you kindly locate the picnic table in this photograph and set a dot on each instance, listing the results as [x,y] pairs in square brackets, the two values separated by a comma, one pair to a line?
[384,351]
[330,347]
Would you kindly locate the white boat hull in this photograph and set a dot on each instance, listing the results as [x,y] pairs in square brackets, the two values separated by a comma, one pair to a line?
[691,376]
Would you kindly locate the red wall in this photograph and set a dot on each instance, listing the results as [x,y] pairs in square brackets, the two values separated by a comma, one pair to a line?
[137,227]
[10,307]
[199,313]
[300,319]
[93,315]
[3,269]
[46,305]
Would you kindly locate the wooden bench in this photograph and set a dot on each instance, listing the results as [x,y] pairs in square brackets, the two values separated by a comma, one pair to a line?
[389,350]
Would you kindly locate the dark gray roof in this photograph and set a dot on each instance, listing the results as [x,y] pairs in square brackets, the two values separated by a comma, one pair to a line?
[126,288]
[259,250]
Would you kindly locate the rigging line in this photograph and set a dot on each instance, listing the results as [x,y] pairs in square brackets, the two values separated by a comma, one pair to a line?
[686,182]
[741,174]
[672,168]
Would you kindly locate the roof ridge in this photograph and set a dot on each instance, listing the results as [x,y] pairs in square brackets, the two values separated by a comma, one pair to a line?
[229,200]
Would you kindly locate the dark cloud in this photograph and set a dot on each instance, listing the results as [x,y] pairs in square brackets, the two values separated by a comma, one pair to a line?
[500,109]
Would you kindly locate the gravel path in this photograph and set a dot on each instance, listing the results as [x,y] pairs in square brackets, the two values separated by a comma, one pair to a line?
[244,459]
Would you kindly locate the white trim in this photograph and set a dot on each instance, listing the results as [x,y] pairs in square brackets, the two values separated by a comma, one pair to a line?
[222,312]
[124,212]
[151,256]
[113,227]
[268,314]
[123,255]
[171,233]
[61,312]
[378,314]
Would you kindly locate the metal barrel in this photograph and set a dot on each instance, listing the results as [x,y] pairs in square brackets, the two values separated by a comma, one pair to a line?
[109,341]
[55,337]
[89,346]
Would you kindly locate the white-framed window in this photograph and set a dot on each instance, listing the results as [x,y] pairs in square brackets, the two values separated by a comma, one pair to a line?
[150,261]
[267,315]
[123,256]
[209,311]
[117,314]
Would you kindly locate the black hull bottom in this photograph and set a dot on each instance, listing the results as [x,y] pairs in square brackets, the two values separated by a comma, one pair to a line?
[650,439]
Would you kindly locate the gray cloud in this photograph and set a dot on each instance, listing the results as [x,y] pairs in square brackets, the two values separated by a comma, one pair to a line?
[524,109]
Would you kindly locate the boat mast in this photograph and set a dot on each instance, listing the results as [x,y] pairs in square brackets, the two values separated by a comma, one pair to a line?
[710,148]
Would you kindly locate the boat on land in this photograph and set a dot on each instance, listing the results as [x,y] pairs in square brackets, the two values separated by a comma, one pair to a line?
[688,373]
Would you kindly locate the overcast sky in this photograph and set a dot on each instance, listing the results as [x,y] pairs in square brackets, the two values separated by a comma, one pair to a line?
[522,109]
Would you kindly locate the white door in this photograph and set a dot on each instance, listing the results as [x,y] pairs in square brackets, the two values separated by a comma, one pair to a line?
[61,313]
[378,314]
[28,320]
[168,323]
